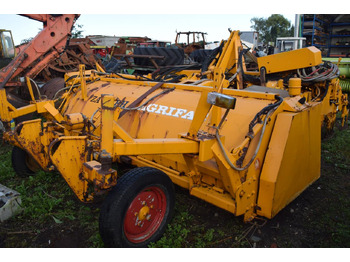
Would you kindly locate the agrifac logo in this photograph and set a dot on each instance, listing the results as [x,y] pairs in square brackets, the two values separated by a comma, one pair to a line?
[168,111]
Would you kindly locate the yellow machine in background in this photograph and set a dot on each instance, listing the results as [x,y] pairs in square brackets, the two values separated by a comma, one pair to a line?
[7,47]
[236,139]
[319,80]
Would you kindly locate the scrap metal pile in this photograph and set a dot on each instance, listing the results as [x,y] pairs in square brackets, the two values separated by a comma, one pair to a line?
[76,53]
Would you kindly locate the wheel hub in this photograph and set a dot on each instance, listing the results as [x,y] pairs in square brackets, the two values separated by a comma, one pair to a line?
[145,214]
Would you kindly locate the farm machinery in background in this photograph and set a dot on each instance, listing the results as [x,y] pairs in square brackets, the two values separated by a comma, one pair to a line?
[35,56]
[7,47]
[45,61]
[344,72]
[143,55]
[130,53]
[248,142]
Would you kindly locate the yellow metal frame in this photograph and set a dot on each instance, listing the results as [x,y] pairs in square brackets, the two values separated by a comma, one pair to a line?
[252,178]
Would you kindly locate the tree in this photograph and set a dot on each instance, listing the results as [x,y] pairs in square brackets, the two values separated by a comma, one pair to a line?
[271,28]
[76,32]
[26,40]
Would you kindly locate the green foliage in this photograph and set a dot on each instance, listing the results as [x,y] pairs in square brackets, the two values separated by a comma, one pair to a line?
[47,203]
[76,31]
[50,206]
[26,40]
[176,233]
[202,240]
[335,149]
[274,26]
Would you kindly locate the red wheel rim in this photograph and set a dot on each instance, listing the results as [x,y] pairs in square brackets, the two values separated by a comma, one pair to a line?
[145,214]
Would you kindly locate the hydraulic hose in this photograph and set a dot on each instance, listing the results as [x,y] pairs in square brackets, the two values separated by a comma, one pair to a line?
[264,111]
[320,73]
[268,110]
[326,91]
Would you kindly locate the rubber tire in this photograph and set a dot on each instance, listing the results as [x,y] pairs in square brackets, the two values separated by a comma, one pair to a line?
[172,56]
[19,162]
[50,88]
[200,55]
[113,209]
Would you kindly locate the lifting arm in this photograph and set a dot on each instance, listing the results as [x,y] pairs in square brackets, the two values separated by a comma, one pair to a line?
[47,45]
[227,62]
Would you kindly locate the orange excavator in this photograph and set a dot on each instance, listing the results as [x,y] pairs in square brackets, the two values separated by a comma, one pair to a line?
[46,46]
[31,59]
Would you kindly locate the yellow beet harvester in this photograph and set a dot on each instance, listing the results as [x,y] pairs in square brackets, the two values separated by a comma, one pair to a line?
[249,148]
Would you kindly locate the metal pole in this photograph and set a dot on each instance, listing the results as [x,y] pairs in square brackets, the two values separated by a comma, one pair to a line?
[296,25]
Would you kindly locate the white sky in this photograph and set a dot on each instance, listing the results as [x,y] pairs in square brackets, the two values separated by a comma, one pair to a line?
[155,26]
[157,19]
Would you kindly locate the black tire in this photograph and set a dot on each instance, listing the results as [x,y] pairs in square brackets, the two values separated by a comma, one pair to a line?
[120,213]
[50,88]
[200,55]
[172,56]
[23,164]
[113,65]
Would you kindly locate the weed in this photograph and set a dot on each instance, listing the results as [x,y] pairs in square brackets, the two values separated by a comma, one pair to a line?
[50,207]
[177,231]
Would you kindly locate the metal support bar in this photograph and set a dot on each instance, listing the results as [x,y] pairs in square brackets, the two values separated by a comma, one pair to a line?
[154,147]
[107,105]
[83,82]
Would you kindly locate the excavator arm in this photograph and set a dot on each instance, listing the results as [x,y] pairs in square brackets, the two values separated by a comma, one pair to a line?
[47,45]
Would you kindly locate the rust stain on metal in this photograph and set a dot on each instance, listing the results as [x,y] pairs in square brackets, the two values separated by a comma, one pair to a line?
[166,133]
[92,91]
[105,84]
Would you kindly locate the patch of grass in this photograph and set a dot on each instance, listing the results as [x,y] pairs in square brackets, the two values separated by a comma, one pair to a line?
[47,203]
[320,215]
[336,149]
[177,231]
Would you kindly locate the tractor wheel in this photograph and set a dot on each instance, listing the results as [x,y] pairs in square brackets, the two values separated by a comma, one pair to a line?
[172,56]
[23,164]
[138,209]
[52,87]
[200,55]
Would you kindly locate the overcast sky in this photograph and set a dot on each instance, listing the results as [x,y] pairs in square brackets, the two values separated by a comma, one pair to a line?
[156,26]
[157,19]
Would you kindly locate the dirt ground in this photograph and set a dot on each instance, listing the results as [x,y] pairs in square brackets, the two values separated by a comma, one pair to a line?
[319,217]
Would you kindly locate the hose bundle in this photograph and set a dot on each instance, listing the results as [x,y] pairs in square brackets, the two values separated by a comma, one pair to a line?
[169,74]
[323,72]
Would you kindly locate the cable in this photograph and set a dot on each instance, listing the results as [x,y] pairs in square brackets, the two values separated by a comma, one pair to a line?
[149,100]
[320,73]
[325,92]
[73,86]
[266,110]
[138,107]
[169,75]
[255,153]
[36,87]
